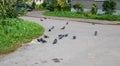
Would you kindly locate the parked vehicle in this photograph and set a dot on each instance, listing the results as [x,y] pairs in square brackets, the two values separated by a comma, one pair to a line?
[24,5]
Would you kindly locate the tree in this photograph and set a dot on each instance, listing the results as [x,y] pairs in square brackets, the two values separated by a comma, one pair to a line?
[8,10]
[109,6]
[78,7]
[94,9]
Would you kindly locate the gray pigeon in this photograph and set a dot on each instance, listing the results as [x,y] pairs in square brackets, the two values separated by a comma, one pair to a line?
[44,41]
[45,36]
[41,19]
[66,35]
[63,28]
[41,40]
[66,23]
[93,23]
[44,17]
[74,37]
[60,36]
[52,27]
[55,41]
[95,33]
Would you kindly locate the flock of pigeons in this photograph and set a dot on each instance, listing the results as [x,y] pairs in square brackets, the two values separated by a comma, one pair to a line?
[59,36]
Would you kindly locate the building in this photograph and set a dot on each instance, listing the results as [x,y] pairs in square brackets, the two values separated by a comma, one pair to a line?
[37,1]
[88,3]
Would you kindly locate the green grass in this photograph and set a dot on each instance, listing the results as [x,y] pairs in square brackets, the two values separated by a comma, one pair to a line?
[83,15]
[15,31]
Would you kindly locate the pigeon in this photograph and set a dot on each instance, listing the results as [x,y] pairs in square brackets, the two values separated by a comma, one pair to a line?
[95,33]
[41,40]
[45,36]
[55,41]
[56,60]
[66,35]
[60,36]
[66,23]
[49,30]
[93,23]
[74,37]
[44,41]
[44,17]
[41,19]
[52,27]
[63,28]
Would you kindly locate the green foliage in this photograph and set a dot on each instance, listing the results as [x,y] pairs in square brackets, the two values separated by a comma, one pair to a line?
[66,7]
[87,15]
[44,4]
[58,5]
[7,10]
[109,6]
[38,6]
[33,4]
[52,6]
[14,32]
[94,9]
[78,7]
[64,14]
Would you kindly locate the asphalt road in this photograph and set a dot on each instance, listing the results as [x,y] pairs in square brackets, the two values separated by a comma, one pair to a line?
[86,50]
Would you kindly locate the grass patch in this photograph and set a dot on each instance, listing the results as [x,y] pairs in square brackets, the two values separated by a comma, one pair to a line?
[15,31]
[83,15]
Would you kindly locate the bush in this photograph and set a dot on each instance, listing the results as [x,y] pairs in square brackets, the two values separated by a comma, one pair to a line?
[33,4]
[66,7]
[109,6]
[50,7]
[60,5]
[9,11]
[38,6]
[78,7]
[44,4]
[94,9]
[88,14]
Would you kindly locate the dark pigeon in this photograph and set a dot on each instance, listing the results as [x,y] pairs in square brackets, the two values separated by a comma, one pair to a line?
[52,27]
[95,33]
[41,40]
[49,30]
[45,36]
[63,28]
[93,23]
[56,60]
[55,41]
[66,23]
[41,19]
[66,35]
[74,37]
[44,41]
[44,17]
[60,36]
